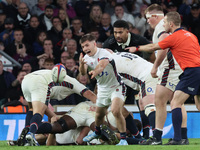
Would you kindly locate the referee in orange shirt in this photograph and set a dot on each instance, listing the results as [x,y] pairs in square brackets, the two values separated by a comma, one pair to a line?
[185,48]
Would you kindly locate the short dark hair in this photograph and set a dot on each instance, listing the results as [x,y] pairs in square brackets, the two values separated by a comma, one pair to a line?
[121,24]
[49,60]
[49,7]
[87,37]
[154,7]
[174,17]
[138,124]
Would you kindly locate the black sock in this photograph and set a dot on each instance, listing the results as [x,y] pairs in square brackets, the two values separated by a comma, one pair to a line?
[123,135]
[98,130]
[145,124]
[29,115]
[158,134]
[177,121]
[184,133]
[35,123]
[44,128]
[151,118]
[131,126]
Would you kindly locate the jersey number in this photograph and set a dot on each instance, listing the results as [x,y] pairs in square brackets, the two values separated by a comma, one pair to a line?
[103,73]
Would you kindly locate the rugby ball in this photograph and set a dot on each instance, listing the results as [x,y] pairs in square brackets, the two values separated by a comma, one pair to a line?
[58,73]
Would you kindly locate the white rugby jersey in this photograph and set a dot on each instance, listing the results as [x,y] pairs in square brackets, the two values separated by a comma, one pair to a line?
[60,91]
[45,73]
[109,77]
[67,87]
[85,108]
[132,67]
[167,63]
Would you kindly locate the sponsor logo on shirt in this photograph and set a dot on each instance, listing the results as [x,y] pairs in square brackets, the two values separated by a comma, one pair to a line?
[191,89]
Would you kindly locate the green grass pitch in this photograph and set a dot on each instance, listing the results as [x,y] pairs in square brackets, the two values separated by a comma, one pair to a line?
[194,145]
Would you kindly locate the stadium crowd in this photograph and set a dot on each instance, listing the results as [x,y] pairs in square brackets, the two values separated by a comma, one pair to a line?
[41,33]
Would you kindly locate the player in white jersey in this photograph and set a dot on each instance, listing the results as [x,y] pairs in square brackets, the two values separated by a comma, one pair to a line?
[82,115]
[37,88]
[111,90]
[136,74]
[168,79]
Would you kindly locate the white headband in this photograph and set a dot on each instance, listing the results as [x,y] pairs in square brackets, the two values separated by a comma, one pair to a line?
[151,15]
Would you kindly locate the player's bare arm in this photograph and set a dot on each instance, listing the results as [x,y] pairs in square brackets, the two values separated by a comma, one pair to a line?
[160,57]
[99,68]
[84,132]
[144,48]
[90,95]
[82,65]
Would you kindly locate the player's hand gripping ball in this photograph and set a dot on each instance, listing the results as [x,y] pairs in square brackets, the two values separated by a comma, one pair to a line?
[58,73]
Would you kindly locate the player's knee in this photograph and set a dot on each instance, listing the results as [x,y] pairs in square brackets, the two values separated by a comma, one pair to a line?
[149,108]
[63,124]
[116,112]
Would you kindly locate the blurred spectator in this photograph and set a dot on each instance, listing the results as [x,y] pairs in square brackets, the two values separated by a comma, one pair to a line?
[11,49]
[85,80]
[10,7]
[41,63]
[106,29]
[21,56]
[4,60]
[30,34]
[77,29]
[71,67]
[82,8]
[2,18]
[7,35]
[49,63]
[94,19]
[133,29]
[72,49]
[6,79]
[37,63]
[110,7]
[50,52]
[140,21]
[64,18]
[38,44]
[68,9]
[121,15]
[64,57]
[184,8]
[136,6]
[66,35]
[27,67]
[95,32]
[48,48]
[55,34]
[39,8]
[192,21]
[16,90]
[23,16]
[30,3]
[171,7]
[45,19]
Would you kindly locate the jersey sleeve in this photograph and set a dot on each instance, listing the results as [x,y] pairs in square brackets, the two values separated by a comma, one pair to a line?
[78,88]
[167,42]
[105,55]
